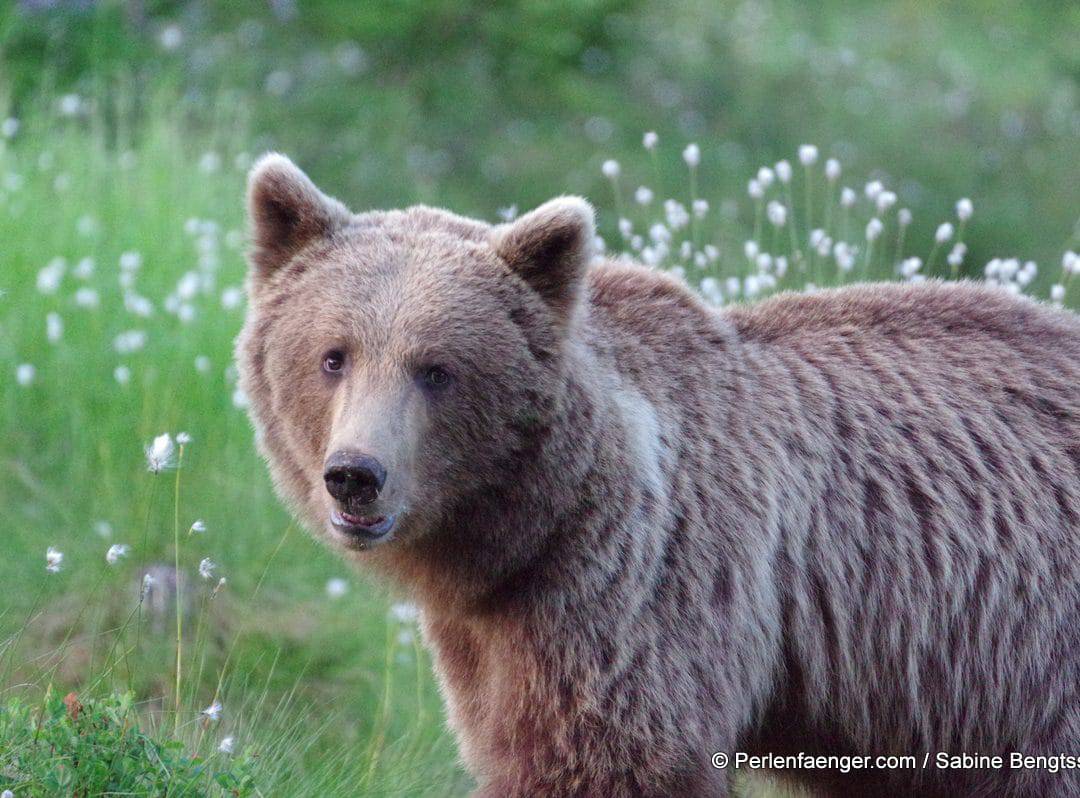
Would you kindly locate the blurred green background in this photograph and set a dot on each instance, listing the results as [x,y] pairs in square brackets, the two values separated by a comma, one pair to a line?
[477,105]
[125,133]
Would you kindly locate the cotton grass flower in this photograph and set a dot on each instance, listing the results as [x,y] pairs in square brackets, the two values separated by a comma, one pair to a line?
[197,528]
[777,213]
[783,171]
[54,327]
[24,374]
[183,438]
[874,229]
[808,154]
[122,375]
[847,197]
[701,208]
[336,587]
[226,745]
[832,170]
[903,216]
[161,454]
[1057,293]
[766,176]
[692,155]
[206,568]
[116,552]
[643,195]
[610,169]
[50,276]
[650,140]
[88,298]
[964,209]
[944,233]
[148,583]
[755,190]
[54,560]
[213,712]
[9,127]
[404,612]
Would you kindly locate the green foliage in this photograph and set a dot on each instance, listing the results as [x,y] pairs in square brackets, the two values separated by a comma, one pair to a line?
[67,747]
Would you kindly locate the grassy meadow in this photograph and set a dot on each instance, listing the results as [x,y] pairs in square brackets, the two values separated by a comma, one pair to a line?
[794,148]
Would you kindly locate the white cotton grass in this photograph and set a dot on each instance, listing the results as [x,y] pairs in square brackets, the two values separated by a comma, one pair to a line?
[206,568]
[336,587]
[227,745]
[25,374]
[197,527]
[650,140]
[161,454]
[213,712]
[54,560]
[808,230]
[610,169]
[116,552]
[54,327]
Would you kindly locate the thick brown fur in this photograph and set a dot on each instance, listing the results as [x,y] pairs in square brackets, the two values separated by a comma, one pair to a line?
[641,530]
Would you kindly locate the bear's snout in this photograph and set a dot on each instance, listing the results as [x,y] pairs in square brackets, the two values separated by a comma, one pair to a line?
[354,479]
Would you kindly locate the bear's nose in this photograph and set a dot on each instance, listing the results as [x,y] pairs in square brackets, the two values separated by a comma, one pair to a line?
[355,478]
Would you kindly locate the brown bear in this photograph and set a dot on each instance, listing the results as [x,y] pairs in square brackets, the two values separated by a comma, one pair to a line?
[643,531]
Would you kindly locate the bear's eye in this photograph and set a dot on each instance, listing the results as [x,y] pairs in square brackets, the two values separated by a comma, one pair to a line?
[333,361]
[436,377]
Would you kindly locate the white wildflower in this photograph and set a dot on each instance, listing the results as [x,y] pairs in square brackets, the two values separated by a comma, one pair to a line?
[832,170]
[54,559]
[610,169]
[885,200]
[711,252]
[336,587]
[226,745]
[872,189]
[103,529]
[808,154]
[659,233]
[87,297]
[650,140]
[206,568]
[9,127]
[643,195]
[701,207]
[780,265]
[710,289]
[1070,262]
[783,171]
[209,163]
[148,583]
[122,375]
[751,249]
[130,261]
[675,212]
[24,374]
[847,197]
[1057,293]
[944,232]
[50,275]
[404,612]
[692,155]
[910,267]
[212,712]
[777,213]
[751,286]
[964,209]
[873,229]
[198,527]
[763,262]
[54,327]
[130,341]
[766,176]
[904,217]
[507,214]
[115,552]
[755,190]
[70,104]
[160,454]
[84,269]
[202,364]
[626,228]
[956,255]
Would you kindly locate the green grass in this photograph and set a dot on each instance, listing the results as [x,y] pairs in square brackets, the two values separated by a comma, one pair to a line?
[322,688]
[335,696]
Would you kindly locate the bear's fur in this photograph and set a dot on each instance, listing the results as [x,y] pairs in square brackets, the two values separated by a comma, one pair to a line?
[641,530]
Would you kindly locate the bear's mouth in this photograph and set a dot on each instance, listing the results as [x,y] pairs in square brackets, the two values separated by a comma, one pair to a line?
[361,531]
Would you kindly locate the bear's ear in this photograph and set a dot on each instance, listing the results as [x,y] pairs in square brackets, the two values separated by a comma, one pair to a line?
[550,248]
[286,211]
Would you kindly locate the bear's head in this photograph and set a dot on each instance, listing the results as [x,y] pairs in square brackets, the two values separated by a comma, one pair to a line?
[399,363]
